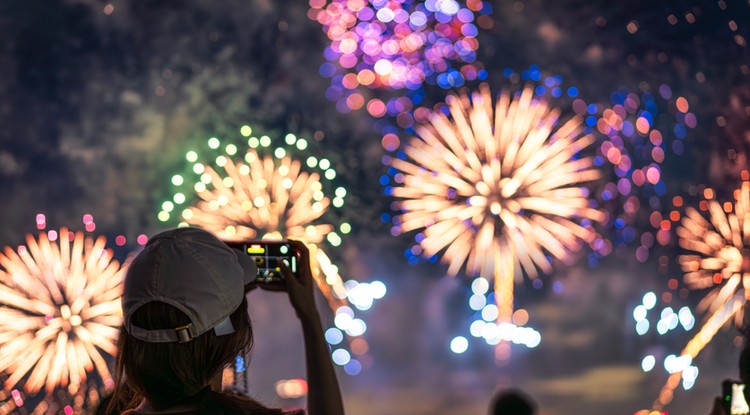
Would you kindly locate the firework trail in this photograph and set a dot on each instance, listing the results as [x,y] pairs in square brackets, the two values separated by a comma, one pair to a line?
[496,190]
[718,261]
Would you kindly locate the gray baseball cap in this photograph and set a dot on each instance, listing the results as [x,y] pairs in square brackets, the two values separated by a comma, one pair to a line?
[192,270]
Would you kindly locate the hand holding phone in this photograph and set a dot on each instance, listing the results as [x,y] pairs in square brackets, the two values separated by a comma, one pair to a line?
[266,255]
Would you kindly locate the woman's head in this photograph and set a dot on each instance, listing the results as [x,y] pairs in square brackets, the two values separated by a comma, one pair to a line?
[185,316]
[168,373]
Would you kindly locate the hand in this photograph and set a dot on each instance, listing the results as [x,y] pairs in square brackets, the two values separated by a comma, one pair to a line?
[300,289]
[268,286]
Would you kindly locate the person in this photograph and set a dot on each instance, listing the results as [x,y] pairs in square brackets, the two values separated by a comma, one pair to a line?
[719,407]
[512,402]
[185,319]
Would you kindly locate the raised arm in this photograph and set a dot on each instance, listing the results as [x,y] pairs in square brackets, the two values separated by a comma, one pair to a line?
[324,395]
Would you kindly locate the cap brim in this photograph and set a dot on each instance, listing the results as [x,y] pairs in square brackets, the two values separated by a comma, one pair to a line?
[249,268]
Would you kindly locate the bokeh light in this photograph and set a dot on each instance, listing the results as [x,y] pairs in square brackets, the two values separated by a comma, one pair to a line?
[397,45]
[650,317]
[639,132]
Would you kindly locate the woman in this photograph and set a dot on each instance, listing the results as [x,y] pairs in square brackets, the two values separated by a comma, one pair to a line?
[185,319]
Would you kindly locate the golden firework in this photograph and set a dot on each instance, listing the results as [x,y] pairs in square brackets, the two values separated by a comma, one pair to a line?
[271,197]
[59,311]
[495,190]
[718,261]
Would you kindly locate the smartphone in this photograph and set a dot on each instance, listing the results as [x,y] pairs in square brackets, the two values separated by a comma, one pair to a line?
[266,255]
[733,397]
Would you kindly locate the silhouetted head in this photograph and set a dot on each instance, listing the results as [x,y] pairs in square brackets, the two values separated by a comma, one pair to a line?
[512,402]
[185,319]
[168,374]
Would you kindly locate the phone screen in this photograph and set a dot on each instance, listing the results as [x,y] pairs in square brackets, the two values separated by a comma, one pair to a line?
[266,255]
[734,397]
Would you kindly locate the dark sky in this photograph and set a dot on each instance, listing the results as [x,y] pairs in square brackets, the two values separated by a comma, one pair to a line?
[98,108]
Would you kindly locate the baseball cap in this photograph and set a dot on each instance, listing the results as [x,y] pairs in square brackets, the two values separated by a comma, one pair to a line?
[193,271]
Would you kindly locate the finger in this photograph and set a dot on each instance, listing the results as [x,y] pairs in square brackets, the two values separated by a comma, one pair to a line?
[289,277]
[300,247]
[304,258]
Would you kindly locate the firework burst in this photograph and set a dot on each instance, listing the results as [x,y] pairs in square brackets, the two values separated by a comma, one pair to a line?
[265,193]
[495,190]
[59,312]
[718,261]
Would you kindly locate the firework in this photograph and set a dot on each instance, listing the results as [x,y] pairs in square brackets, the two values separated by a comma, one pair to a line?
[59,312]
[398,45]
[494,192]
[264,192]
[718,261]
[267,196]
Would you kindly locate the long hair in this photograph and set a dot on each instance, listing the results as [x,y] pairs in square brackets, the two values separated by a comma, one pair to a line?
[172,374]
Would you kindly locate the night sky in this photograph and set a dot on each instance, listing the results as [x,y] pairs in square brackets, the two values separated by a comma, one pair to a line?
[100,102]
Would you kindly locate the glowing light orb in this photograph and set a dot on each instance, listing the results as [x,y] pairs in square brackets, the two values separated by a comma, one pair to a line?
[718,261]
[398,45]
[661,320]
[651,317]
[59,316]
[495,189]
[266,189]
[459,344]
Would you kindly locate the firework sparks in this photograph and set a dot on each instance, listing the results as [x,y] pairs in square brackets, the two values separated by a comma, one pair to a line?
[265,193]
[267,197]
[719,261]
[496,192]
[638,134]
[59,312]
